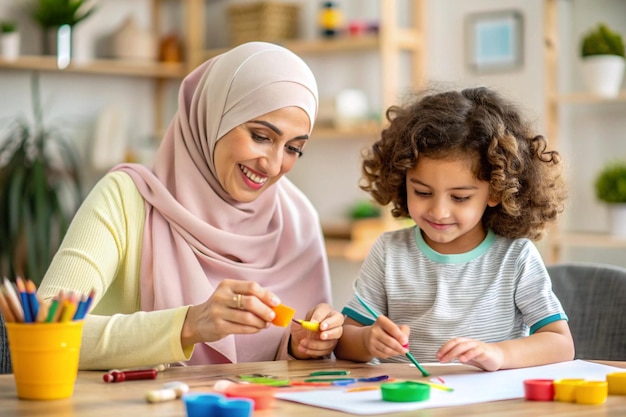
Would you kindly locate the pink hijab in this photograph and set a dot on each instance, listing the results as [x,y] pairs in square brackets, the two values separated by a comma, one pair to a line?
[194,230]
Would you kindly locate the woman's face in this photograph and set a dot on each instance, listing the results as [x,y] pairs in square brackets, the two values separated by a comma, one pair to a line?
[256,154]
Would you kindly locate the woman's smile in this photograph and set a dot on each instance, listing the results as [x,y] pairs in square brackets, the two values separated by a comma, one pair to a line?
[251,178]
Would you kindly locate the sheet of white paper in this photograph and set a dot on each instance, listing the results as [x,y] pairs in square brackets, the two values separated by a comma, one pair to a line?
[472,388]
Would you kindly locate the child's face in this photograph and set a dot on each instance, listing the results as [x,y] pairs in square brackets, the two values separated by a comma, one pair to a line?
[447,202]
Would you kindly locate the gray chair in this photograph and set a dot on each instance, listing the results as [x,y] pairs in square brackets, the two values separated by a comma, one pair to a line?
[5,355]
[594,298]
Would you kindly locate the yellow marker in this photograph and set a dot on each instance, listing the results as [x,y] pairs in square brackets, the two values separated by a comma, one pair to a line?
[309,325]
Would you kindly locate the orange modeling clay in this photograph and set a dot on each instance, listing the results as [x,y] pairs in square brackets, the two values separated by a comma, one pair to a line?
[284,314]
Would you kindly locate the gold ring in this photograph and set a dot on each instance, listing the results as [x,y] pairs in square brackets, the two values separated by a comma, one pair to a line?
[237,299]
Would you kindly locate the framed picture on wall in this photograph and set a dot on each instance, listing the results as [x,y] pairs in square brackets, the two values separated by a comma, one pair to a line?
[494,41]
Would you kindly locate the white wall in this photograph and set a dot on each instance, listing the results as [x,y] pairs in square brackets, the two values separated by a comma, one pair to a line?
[446,57]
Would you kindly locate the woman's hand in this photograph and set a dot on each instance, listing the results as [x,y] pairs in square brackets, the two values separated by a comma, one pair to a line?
[385,339]
[235,307]
[307,344]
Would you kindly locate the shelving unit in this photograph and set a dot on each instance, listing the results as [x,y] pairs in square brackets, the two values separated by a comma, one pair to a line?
[389,45]
[559,238]
[155,70]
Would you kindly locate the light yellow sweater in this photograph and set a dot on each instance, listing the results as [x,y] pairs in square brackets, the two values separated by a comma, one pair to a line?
[102,250]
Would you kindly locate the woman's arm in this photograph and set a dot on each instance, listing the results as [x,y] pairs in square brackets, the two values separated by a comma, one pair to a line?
[102,251]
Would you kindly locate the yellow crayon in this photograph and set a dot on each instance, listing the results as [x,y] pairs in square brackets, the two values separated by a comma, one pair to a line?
[309,325]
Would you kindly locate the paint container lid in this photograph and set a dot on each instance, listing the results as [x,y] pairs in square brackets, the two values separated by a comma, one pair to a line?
[210,404]
[406,391]
[565,389]
[201,404]
[617,383]
[235,407]
[539,389]
[592,392]
[262,395]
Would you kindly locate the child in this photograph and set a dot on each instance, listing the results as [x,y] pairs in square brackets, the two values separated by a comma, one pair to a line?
[466,282]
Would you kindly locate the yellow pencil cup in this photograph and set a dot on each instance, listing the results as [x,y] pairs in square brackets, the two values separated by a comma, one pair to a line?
[45,358]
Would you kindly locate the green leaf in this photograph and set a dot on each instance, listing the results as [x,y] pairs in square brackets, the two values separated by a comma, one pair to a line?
[54,13]
[602,41]
[610,183]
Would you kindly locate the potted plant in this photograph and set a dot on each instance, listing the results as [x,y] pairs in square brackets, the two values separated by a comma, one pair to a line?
[54,14]
[602,51]
[9,40]
[610,187]
[40,188]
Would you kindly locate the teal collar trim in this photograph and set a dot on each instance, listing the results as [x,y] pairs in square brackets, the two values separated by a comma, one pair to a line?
[457,258]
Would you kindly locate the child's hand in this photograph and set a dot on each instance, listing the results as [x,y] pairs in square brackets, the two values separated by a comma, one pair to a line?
[472,352]
[385,339]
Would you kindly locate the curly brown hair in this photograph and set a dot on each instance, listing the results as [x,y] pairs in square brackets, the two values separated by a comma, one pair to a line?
[523,175]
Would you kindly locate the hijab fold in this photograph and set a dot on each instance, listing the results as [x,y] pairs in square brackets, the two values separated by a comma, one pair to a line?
[194,231]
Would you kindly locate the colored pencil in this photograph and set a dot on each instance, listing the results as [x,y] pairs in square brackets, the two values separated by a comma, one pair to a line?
[4,307]
[21,290]
[84,305]
[437,386]
[42,314]
[13,300]
[33,302]
[69,308]
[366,388]
[52,311]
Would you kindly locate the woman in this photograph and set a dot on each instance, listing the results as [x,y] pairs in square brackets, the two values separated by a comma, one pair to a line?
[197,251]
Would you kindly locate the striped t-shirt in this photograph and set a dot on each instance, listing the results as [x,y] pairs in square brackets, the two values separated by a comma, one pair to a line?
[498,291]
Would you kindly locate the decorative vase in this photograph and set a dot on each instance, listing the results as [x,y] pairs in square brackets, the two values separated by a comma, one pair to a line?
[330,18]
[52,36]
[133,43]
[603,74]
[10,45]
[617,219]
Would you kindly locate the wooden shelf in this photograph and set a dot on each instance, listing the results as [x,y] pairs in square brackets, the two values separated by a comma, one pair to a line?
[365,131]
[347,249]
[99,66]
[582,98]
[343,44]
[588,239]
[353,240]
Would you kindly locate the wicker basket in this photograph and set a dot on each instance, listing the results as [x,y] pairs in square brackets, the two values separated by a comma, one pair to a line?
[263,21]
